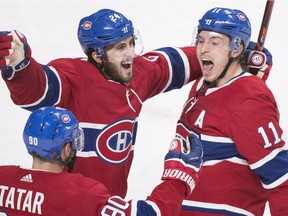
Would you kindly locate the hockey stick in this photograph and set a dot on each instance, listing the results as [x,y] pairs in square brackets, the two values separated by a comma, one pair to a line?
[263,29]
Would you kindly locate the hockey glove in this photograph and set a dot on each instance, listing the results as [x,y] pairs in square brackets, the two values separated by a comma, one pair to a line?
[15,53]
[260,62]
[183,161]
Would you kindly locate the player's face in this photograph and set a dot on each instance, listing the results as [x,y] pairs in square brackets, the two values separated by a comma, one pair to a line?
[213,53]
[119,59]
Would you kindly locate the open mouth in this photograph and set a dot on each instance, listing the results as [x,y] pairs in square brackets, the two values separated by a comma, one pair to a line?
[126,65]
[207,65]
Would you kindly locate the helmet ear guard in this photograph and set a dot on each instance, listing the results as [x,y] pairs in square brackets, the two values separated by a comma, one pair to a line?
[236,51]
[235,44]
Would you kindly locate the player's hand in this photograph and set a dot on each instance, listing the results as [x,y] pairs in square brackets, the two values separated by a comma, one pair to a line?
[183,161]
[257,62]
[15,53]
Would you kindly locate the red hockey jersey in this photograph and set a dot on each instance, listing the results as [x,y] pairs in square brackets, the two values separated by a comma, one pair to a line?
[107,111]
[245,158]
[26,192]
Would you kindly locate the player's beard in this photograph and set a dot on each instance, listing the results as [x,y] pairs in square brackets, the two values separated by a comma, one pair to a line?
[112,70]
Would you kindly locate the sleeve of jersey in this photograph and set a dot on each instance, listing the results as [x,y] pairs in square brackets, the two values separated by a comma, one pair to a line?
[258,136]
[278,200]
[172,68]
[40,85]
[166,199]
[28,85]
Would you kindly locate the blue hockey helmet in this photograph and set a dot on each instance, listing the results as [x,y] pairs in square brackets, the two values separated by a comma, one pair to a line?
[103,28]
[48,129]
[231,22]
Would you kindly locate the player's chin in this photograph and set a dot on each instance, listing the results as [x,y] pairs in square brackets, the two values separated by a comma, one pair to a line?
[208,77]
[128,76]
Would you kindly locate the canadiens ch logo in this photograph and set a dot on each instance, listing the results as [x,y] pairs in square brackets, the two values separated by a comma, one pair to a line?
[114,142]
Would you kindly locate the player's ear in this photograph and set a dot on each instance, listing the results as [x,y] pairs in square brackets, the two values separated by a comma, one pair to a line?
[96,58]
[235,53]
[66,150]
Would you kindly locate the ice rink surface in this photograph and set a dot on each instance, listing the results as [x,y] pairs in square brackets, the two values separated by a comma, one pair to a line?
[51,26]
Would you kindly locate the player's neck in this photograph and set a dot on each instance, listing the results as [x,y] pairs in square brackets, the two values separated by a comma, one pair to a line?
[49,166]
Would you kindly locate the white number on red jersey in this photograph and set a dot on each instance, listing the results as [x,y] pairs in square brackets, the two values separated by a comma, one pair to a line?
[267,142]
[115,206]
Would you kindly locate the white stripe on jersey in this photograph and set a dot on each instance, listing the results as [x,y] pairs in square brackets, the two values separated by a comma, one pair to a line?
[155,207]
[210,206]
[87,154]
[267,158]
[216,139]
[277,182]
[46,90]
[232,160]
[185,64]
[91,125]
[170,70]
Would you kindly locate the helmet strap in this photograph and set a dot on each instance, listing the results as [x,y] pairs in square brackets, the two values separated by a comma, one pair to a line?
[231,59]
[62,161]
[69,162]
[211,84]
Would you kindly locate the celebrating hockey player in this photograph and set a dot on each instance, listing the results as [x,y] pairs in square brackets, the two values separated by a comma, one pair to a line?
[105,91]
[236,116]
[52,136]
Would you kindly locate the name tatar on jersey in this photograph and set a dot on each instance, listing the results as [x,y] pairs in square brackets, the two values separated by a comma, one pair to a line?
[21,199]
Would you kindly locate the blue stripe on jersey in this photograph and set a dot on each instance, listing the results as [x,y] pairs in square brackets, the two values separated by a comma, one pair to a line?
[178,68]
[274,168]
[53,92]
[90,136]
[219,151]
[143,209]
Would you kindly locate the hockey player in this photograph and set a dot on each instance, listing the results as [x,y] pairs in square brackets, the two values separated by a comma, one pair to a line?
[52,136]
[237,120]
[112,75]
